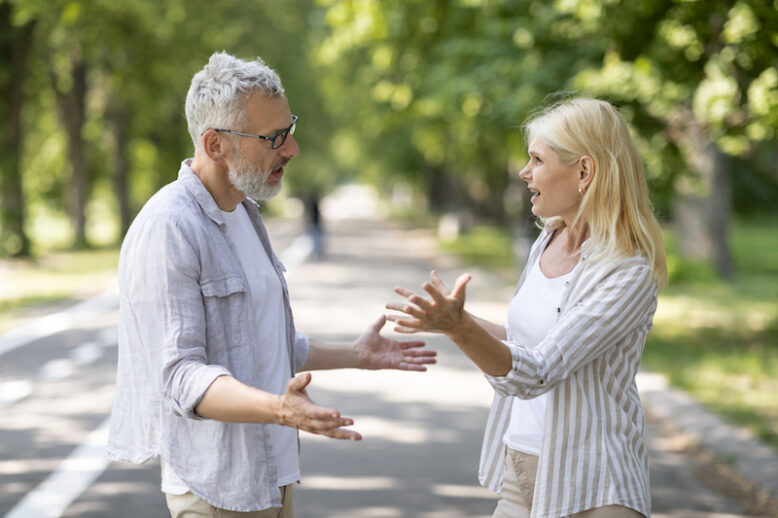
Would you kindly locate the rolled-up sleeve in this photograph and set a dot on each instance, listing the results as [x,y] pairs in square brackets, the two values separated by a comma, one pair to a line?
[302,348]
[168,304]
[620,303]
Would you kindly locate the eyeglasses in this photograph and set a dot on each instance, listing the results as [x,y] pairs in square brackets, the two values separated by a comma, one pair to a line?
[276,141]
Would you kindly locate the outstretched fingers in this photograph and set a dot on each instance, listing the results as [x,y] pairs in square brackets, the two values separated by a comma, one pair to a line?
[459,286]
[333,428]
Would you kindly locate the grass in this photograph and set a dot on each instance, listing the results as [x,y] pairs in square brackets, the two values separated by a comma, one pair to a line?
[719,341]
[715,340]
[34,284]
[490,248]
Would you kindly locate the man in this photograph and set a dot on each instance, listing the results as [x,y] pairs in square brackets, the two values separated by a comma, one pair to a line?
[207,345]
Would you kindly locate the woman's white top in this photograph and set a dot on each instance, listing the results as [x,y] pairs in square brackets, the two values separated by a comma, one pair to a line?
[531,314]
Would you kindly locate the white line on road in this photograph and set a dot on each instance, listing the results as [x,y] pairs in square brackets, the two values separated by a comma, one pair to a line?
[74,475]
[60,321]
[13,391]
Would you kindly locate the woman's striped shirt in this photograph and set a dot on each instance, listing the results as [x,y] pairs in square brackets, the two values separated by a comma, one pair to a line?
[593,452]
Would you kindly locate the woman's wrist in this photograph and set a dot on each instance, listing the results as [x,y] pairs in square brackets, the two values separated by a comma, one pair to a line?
[461,329]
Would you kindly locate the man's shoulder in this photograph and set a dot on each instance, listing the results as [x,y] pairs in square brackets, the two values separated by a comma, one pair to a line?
[172,209]
[173,202]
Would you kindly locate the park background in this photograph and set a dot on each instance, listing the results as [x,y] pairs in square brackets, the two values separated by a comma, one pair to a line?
[423,100]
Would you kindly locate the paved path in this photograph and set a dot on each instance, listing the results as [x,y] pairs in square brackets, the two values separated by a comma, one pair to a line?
[422,430]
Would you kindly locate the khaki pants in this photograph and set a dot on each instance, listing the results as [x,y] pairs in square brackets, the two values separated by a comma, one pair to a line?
[518,486]
[191,506]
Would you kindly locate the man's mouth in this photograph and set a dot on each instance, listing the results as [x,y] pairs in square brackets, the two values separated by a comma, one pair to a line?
[278,172]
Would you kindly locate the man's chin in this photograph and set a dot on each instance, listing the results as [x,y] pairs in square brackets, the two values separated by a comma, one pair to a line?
[266,194]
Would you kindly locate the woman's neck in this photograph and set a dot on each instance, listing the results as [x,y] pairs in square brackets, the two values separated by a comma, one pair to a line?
[574,236]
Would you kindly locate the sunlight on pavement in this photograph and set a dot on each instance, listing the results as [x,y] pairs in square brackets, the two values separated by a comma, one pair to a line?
[439,386]
[459,491]
[351,201]
[349,483]
[393,430]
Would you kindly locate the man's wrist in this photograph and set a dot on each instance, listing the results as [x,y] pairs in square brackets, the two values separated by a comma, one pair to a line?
[279,414]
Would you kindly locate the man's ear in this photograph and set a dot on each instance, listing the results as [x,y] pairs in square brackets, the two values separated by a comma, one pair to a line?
[214,144]
[587,171]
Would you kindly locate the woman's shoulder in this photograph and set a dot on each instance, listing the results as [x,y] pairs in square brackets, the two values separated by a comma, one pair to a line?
[635,269]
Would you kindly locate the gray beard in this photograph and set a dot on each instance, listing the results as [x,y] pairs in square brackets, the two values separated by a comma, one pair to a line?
[252,182]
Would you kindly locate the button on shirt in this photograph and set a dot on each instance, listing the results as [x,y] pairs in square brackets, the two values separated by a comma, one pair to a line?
[185,318]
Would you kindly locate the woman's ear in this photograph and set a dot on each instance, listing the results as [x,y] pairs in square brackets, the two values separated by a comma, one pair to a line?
[587,170]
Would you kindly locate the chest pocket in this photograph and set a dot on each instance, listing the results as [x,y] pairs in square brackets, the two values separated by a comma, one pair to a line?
[225,301]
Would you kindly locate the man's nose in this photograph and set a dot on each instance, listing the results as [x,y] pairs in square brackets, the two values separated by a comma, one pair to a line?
[290,149]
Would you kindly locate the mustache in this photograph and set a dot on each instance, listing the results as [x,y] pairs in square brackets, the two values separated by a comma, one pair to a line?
[281,163]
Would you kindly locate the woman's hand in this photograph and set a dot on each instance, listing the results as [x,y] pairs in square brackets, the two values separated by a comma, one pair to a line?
[441,313]
[378,352]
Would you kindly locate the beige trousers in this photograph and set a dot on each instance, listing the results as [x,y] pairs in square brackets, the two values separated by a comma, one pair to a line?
[518,486]
[191,506]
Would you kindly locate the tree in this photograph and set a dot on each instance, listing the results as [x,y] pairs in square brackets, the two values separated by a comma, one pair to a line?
[701,77]
[15,43]
[435,90]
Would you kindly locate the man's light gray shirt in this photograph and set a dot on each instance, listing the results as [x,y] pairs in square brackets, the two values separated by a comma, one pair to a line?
[183,321]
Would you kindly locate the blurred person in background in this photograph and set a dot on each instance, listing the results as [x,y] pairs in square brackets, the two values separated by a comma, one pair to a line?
[564,435]
[208,351]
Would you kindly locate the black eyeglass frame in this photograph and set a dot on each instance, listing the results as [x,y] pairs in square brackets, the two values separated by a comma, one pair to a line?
[274,144]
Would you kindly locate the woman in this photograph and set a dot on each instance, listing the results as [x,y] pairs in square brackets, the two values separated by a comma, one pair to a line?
[565,432]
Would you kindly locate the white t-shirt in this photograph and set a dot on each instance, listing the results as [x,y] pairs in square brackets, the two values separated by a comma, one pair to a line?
[270,324]
[531,314]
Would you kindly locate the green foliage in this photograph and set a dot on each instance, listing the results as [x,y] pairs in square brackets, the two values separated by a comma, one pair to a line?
[487,247]
[427,93]
[57,277]
[719,340]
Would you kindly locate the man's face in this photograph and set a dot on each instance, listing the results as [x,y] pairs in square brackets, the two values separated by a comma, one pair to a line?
[255,168]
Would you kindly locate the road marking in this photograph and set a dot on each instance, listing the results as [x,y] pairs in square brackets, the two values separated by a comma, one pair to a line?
[60,321]
[72,477]
[13,391]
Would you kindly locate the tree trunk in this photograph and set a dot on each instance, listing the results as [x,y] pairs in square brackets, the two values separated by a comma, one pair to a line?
[72,107]
[15,44]
[118,120]
[702,206]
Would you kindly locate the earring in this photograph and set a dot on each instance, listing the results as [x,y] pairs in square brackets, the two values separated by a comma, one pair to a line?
[580,191]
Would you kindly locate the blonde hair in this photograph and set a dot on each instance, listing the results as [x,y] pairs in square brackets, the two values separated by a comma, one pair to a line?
[615,207]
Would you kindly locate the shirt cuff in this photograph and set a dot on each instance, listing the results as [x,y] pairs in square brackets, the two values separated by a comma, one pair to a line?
[515,383]
[302,347]
[196,389]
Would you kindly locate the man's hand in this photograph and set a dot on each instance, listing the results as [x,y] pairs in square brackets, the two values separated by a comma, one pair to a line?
[378,352]
[298,411]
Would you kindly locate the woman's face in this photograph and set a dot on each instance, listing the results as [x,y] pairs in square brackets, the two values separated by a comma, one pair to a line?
[554,184]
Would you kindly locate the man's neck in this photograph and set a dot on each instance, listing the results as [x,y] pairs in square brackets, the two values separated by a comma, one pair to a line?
[216,181]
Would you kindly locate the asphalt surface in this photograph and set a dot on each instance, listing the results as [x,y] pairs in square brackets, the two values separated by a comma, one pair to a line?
[422,431]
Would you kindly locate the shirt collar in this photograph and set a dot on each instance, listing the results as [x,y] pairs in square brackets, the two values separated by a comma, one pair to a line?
[194,185]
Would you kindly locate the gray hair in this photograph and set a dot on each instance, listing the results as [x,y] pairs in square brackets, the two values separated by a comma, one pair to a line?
[218,93]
